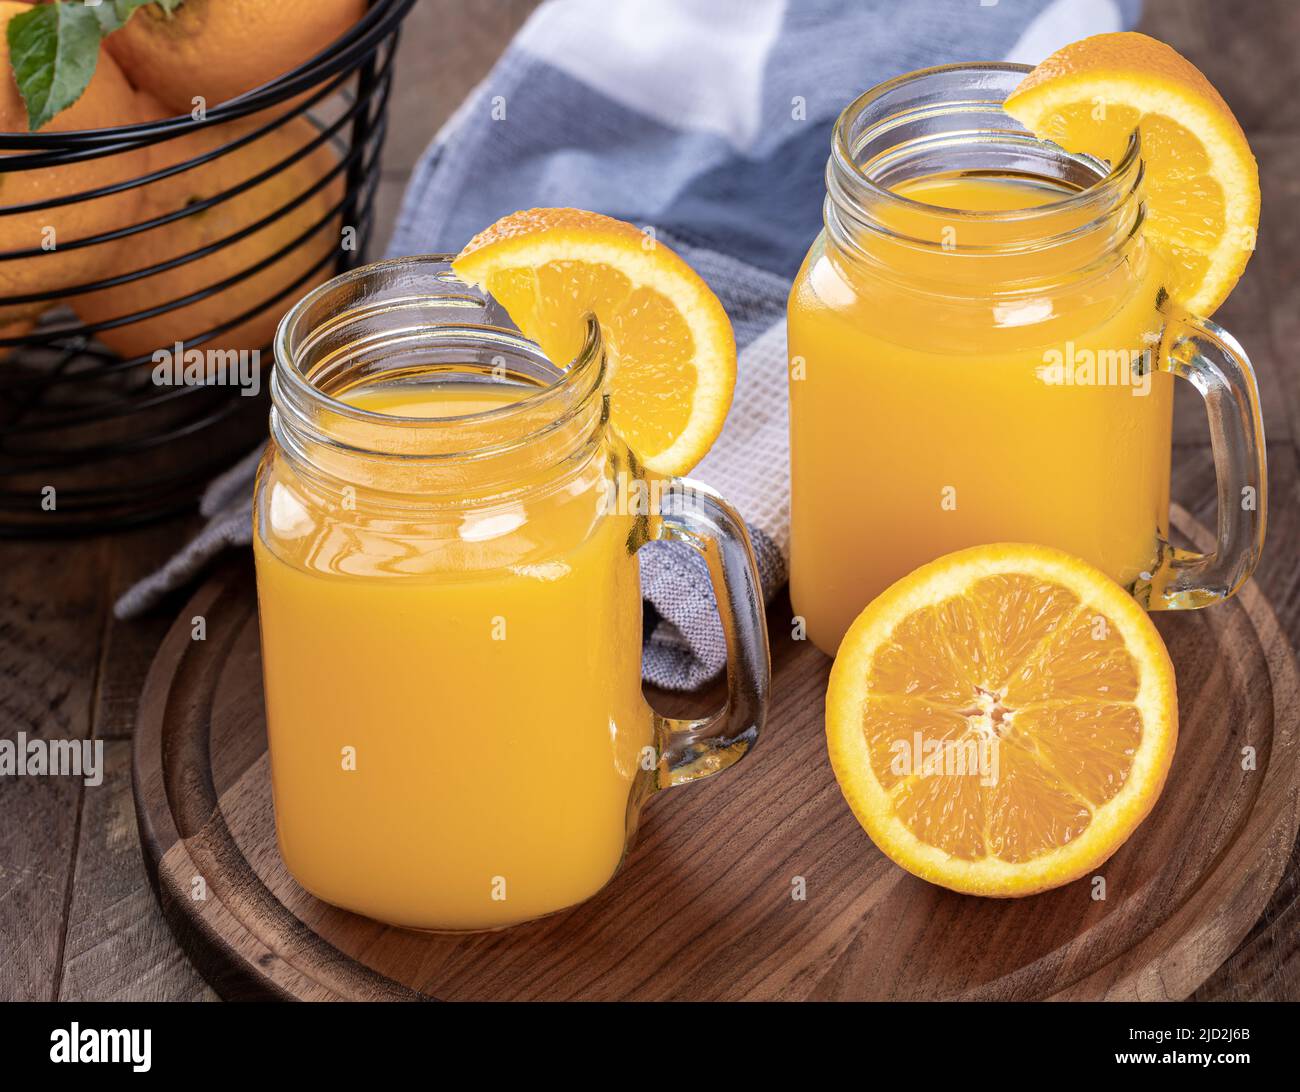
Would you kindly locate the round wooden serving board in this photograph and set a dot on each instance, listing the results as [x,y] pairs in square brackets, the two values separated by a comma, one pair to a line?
[708,904]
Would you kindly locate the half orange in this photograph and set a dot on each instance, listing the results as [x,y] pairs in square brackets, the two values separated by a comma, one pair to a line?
[1002,719]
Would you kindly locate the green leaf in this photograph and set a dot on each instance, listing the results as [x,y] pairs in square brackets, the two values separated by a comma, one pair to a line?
[53,50]
[123,9]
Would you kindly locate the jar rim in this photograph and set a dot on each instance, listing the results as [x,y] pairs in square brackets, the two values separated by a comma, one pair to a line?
[844,168]
[291,383]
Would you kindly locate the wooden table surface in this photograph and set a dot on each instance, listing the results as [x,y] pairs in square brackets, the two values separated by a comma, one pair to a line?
[78,919]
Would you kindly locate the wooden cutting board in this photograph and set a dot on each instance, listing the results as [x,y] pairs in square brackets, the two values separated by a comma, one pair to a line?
[707,904]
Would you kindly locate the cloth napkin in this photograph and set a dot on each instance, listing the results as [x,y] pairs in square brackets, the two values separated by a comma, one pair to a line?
[710,123]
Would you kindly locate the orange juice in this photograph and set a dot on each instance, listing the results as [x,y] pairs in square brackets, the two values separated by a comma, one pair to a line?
[454,706]
[961,377]
[446,530]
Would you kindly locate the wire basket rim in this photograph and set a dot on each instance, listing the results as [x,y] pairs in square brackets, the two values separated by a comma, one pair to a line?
[359,40]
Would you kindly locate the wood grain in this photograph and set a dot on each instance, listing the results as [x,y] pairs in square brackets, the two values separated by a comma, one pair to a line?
[50,632]
[67,668]
[1246,50]
[448,47]
[703,908]
[129,647]
[1267,965]
[1251,54]
[1279,260]
[51,613]
[118,947]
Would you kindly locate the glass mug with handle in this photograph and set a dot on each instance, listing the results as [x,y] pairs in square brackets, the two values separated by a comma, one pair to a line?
[450,610]
[982,350]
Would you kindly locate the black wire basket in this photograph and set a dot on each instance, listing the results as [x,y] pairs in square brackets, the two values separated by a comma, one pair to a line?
[93,439]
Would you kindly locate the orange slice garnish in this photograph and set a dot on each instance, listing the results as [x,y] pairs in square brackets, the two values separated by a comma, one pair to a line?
[1201,183]
[671,351]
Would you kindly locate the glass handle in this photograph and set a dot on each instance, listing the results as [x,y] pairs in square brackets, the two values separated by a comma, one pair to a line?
[692,749]
[1210,358]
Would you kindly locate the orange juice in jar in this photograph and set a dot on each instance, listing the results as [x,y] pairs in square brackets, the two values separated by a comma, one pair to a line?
[981,350]
[450,611]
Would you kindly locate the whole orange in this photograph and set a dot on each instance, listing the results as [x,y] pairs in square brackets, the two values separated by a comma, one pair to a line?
[217,49]
[213,224]
[107,101]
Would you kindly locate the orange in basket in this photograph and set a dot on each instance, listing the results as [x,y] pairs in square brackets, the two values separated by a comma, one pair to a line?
[218,222]
[107,101]
[218,49]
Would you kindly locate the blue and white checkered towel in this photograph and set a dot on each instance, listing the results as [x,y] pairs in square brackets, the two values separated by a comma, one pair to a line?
[709,121]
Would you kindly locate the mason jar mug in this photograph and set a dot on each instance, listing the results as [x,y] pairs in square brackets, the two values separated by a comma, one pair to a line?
[982,350]
[450,610]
